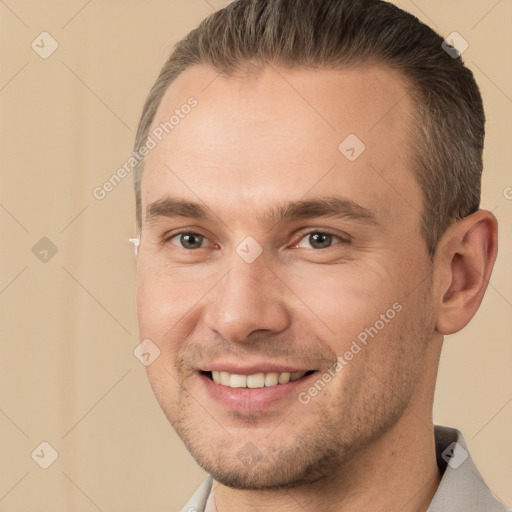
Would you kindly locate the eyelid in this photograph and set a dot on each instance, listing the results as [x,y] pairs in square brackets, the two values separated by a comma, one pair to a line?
[345,237]
[167,237]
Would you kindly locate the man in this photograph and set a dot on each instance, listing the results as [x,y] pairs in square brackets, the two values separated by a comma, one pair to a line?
[308,206]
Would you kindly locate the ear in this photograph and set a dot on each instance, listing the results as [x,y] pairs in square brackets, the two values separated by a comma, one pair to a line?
[464,262]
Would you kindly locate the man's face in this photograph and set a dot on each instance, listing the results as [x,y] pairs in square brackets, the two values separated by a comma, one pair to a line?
[323,287]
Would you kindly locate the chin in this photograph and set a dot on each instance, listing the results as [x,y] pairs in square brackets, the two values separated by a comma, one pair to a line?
[248,468]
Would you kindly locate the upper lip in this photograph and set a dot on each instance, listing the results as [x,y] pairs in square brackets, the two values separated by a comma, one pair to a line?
[239,369]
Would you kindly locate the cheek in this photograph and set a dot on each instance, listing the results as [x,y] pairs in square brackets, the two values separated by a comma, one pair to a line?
[343,300]
[163,298]
[151,306]
[168,310]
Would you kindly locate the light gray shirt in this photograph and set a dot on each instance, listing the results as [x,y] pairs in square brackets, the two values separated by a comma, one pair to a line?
[462,488]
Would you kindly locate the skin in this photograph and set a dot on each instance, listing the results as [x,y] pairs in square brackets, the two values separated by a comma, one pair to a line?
[255,140]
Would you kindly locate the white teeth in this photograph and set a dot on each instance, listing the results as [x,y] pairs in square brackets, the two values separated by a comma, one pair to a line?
[224,378]
[238,381]
[271,379]
[284,378]
[256,380]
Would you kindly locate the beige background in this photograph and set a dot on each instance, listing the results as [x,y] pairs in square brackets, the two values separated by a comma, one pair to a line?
[68,326]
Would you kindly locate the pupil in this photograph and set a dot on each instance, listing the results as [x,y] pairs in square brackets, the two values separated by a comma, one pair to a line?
[324,241]
[188,239]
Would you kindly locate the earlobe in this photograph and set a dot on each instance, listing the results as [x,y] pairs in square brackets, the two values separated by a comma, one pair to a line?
[464,261]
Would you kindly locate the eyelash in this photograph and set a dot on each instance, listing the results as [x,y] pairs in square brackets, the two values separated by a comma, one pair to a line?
[301,235]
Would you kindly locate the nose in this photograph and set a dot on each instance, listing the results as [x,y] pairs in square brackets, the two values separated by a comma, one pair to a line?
[250,298]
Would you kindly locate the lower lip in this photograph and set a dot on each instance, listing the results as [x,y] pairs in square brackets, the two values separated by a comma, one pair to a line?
[252,399]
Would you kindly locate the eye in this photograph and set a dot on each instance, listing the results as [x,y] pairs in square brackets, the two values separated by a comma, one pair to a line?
[188,240]
[319,240]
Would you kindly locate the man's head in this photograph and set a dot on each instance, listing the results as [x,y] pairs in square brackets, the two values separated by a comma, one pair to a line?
[289,223]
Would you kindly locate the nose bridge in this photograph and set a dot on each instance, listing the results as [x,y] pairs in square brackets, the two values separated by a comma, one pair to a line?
[248,298]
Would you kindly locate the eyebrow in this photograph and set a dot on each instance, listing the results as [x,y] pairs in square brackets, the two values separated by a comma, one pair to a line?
[334,207]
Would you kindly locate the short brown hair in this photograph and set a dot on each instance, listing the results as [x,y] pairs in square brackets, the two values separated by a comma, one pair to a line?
[448,131]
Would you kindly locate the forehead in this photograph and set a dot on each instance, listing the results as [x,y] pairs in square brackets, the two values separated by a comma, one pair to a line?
[258,138]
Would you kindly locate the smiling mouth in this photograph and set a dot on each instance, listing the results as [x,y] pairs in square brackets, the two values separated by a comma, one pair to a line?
[256,380]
